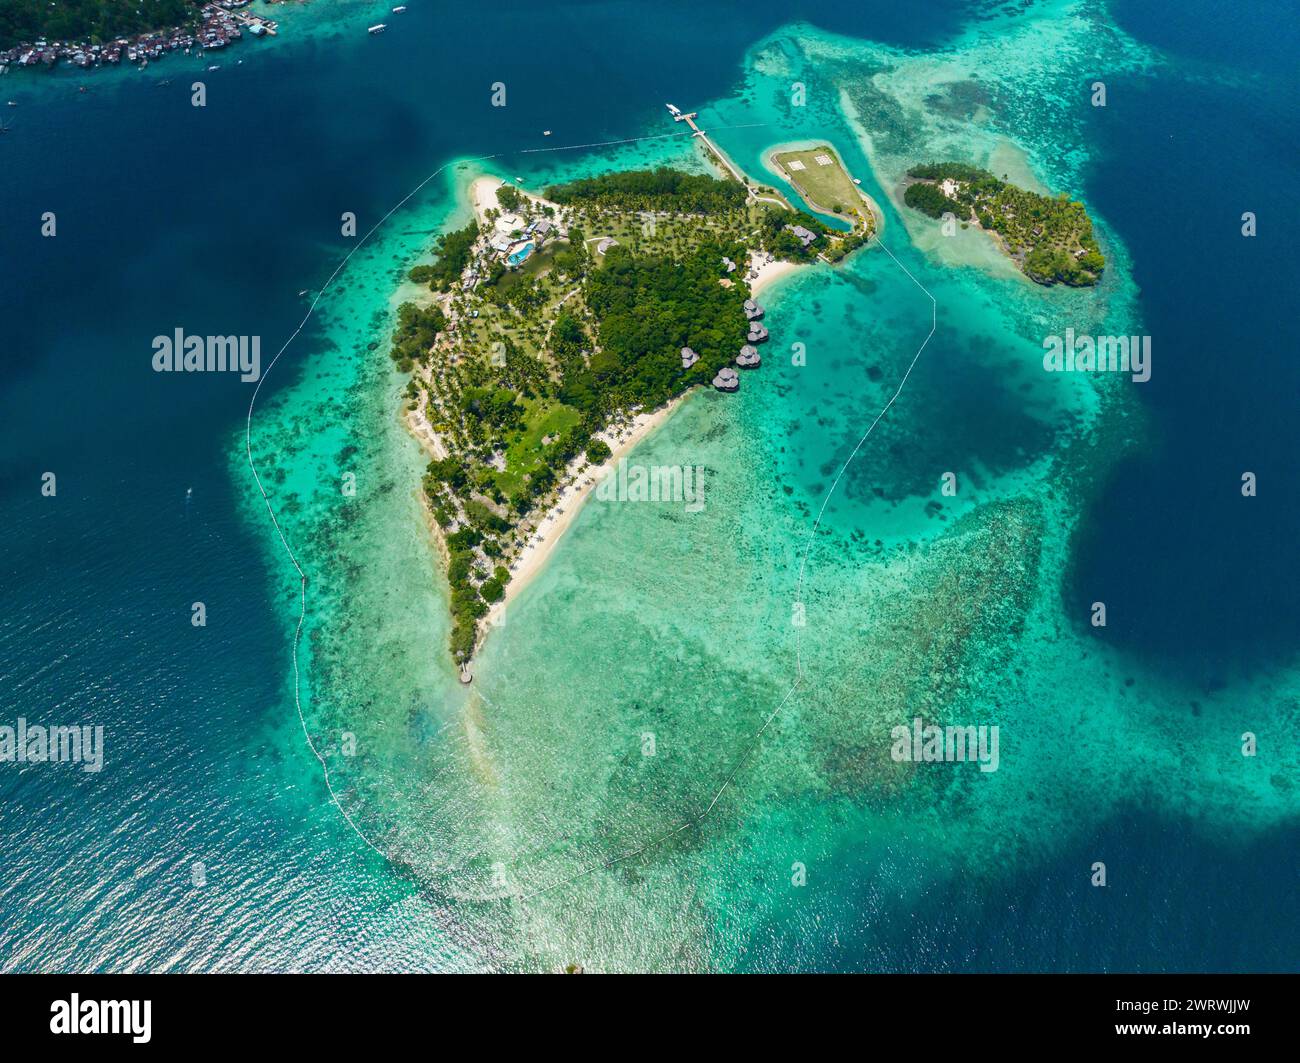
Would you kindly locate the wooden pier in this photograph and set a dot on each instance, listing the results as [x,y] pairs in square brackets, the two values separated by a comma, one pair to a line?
[696,131]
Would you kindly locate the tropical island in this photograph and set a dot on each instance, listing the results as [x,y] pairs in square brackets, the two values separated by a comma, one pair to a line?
[559,328]
[1049,237]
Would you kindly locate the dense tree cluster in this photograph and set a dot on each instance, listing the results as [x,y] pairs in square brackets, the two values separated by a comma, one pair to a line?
[661,189]
[417,328]
[25,21]
[1051,237]
[453,251]
[929,199]
[510,197]
[493,406]
[648,307]
[956,171]
[776,237]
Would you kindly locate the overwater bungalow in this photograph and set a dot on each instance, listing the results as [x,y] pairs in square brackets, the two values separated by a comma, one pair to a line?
[726,380]
[753,310]
[748,358]
[757,332]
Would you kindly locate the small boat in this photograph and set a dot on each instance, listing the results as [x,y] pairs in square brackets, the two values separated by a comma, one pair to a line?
[399,9]
[546,132]
[377,28]
[215,66]
[13,103]
[519,180]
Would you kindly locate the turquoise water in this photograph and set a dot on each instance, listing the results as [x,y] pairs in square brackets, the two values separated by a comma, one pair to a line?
[521,824]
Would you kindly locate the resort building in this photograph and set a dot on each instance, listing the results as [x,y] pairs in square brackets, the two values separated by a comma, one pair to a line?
[748,358]
[805,236]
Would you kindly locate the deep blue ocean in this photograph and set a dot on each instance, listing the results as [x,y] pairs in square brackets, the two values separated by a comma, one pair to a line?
[217,217]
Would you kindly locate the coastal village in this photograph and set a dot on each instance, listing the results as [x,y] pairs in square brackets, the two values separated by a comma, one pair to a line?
[542,354]
[217,25]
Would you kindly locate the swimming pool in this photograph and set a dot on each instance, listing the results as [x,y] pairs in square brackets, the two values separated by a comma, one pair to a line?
[521,253]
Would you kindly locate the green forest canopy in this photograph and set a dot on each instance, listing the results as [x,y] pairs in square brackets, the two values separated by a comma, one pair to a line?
[660,189]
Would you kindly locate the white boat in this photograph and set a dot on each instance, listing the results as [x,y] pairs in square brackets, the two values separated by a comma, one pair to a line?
[399,9]
[546,132]
[377,29]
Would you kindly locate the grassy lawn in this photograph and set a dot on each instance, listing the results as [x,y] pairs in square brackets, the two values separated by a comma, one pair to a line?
[524,454]
[826,186]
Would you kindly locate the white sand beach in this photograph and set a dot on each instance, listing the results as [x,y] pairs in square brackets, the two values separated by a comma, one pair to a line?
[570,500]
[767,270]
[483,196]
[417,422]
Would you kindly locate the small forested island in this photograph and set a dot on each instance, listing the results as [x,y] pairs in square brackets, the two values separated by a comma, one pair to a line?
[1050,238]
[555,324]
